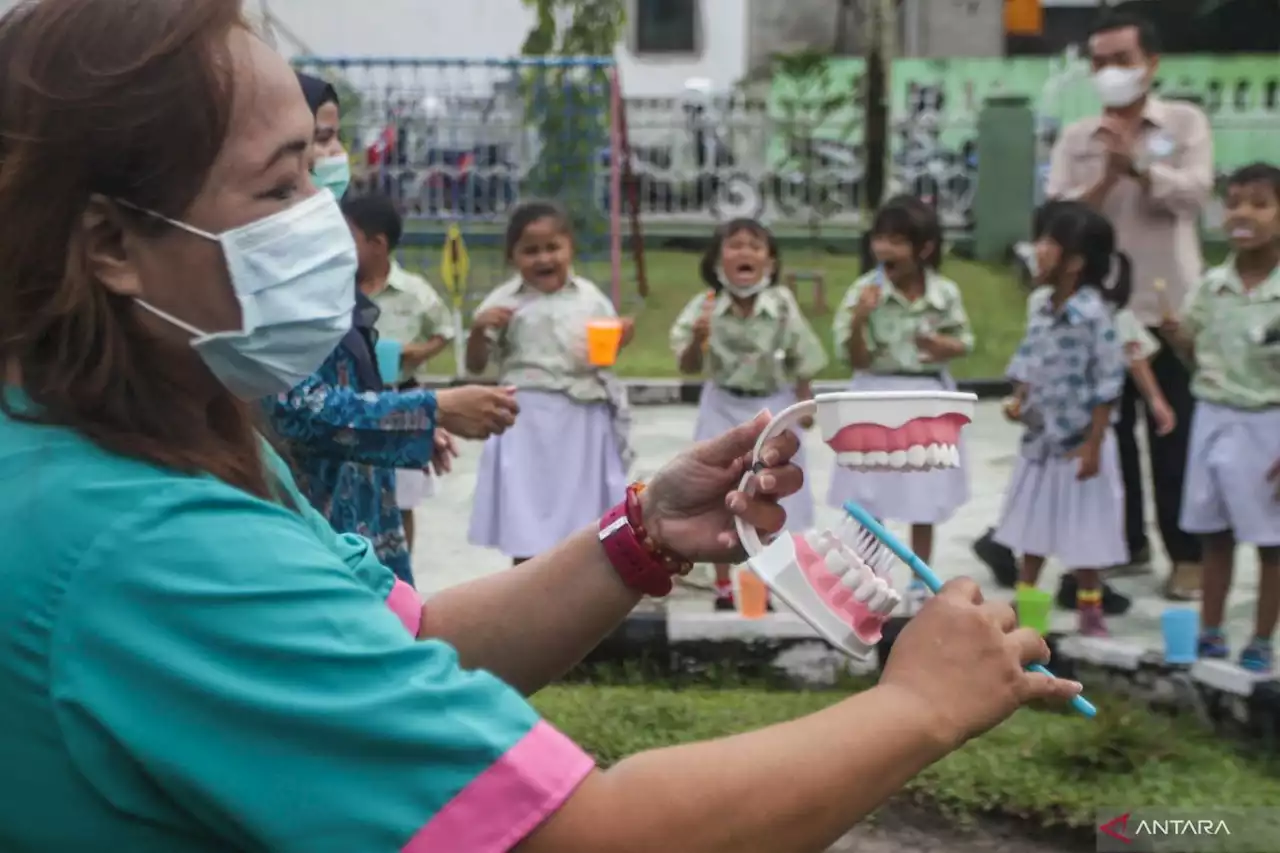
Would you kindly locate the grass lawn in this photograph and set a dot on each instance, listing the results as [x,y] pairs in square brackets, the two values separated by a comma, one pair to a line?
[1053,769]
[993,297]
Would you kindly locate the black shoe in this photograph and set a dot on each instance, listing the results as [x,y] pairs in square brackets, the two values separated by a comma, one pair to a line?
[1113,603]
[724,604]
[999,559]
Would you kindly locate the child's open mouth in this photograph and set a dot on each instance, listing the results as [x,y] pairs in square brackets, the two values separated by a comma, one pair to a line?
[1242,232]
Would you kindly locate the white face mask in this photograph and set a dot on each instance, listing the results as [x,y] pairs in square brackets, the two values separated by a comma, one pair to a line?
[294,276]
[745,291]
[1120,87]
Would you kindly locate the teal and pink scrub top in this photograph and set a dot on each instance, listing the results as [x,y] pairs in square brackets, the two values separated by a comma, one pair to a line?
[187,668]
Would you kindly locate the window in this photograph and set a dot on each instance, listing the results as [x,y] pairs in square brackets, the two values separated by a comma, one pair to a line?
[666,26]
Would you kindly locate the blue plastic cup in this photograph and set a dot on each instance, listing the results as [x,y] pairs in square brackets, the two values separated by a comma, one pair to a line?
[1181,629]
[388,355]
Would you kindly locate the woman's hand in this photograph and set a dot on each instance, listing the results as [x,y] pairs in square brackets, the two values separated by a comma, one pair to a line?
[690,505]
[963,659]
[476,411]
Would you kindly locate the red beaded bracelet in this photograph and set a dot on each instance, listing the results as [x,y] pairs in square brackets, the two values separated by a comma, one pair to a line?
[638,560]
[675,565]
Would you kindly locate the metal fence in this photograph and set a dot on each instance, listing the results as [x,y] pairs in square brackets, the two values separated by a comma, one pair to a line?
[464,140]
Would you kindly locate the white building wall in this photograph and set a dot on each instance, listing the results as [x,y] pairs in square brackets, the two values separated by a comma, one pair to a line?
[475,29]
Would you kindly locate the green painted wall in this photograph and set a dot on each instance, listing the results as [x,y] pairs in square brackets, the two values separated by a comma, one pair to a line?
[940,99]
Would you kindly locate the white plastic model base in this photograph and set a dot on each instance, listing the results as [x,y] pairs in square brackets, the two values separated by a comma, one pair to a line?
[821,578]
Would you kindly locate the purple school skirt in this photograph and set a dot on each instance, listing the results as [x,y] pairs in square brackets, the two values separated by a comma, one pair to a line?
[1049,513]
[553,473]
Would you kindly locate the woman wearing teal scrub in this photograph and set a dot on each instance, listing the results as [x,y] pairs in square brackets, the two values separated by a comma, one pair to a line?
[191,660]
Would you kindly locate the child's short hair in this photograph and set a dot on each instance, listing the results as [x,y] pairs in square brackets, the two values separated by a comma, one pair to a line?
[908,217]
[529,212]
[709,268]
[1084,232]
[375,216]
[1256,173]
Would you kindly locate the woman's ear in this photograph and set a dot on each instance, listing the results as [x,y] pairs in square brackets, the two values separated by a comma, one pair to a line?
[105,246]
[926,252]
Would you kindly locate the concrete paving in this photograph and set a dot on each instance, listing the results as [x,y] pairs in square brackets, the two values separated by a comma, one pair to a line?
[443,557]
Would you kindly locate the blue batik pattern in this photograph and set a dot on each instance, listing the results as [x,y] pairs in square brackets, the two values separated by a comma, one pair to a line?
[345,444]
[1071,360]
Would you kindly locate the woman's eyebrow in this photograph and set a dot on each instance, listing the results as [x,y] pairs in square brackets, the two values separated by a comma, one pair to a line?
[291,148]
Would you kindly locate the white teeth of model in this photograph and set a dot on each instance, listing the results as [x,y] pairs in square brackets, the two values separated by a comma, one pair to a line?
[897,459]
[880,593]
[916,456]
[852,459]
[857,574]
[891,603]
[866,587]
[836,562]
[955,456]
[933,456]
[878,459]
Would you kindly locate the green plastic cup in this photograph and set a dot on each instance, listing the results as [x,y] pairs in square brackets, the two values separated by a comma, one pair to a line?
[1034,607]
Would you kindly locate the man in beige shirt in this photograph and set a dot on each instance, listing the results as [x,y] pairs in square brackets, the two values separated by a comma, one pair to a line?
[1147,164]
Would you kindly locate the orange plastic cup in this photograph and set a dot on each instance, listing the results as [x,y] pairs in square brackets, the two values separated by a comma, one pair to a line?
[752,595]
[604,336]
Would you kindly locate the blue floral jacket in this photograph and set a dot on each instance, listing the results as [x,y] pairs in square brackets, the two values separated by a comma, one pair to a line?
[346,441]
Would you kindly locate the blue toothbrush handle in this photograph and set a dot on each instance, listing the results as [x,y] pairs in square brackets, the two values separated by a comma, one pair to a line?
[931,580]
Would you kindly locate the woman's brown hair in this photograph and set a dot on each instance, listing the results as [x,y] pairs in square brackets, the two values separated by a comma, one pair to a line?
[128,99]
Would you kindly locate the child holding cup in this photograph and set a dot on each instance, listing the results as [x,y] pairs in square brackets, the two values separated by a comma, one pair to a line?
[563,464]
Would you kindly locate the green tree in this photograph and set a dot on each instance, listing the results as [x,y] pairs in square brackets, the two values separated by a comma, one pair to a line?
[568,106]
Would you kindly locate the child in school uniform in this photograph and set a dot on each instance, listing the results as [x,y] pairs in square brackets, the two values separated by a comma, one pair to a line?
[747,335]
[410,313]
[1230,328]
[898,326]
[1065,498]
[563,463]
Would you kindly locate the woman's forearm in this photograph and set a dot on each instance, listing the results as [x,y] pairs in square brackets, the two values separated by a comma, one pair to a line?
[792,788]
[531,624]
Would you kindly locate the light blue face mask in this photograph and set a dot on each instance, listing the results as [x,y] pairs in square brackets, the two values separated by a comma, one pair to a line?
[294,276]
[333,174]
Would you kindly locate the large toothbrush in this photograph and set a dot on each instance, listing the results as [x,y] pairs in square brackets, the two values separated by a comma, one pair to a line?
[931,580]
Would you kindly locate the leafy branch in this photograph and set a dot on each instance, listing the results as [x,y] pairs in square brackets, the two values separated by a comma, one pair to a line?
[568,105]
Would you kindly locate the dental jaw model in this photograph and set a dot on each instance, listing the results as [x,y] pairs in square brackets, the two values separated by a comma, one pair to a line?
[836,581]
